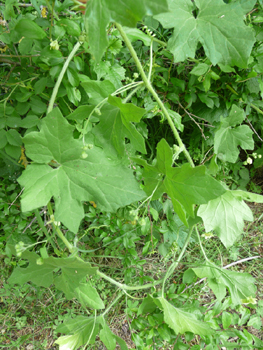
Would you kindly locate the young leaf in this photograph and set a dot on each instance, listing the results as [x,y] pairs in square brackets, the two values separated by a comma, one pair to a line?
[61,171]
[181,321]
[218,26]
[116,125]
[240,285]
[79,330]
[225,215]
[100,12]
[229,137]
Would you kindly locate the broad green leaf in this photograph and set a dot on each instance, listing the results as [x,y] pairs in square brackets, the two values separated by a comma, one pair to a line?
[107,337]
[81,113]
[185,185]
[72,28]
[181,321]
[225,215]
[100,12]
[190,186]
[63,170]
[29,29]
[98,90]
[88,296]
[116,124]
[79,331]
[229,136]
[13,137]
[72,272]
[240,285]
[218,26]
[40,85]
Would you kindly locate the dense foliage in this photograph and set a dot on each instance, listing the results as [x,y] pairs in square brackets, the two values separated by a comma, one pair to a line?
[129,129]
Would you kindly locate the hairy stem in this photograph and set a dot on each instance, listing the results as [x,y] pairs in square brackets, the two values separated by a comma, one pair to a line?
[60,77]
[153,92]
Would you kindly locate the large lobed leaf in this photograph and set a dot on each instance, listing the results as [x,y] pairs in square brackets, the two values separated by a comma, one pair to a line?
[240,285]
[225,215]
[218,26]
[186,186]
[60,170]
[41,272]
[100,12]
[229,136]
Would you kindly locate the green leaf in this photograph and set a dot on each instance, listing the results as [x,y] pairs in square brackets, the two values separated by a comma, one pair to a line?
[225,215]
[116,124]
[3,138]
[185,185]
[72,28]
[135,34]
[218,26]
[80,330]
[40,85]
[181,321]
[61,171]
[248,196]
[240,285]
[228,137]
[13,137]
[200,69]
[121,343]
[88,296]
[37,106]
[73,77]
[72,272]
[81,113]
[98,90]
[29,29]
[100,12]
[107,337]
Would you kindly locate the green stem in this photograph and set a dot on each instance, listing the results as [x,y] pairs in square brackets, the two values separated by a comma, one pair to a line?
[175,264]
[124,286]
[58,231]
[152,91]
[61,75]
[111,305]
[200,243]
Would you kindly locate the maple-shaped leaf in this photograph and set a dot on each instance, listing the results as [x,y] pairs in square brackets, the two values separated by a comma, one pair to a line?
[186,186]
[240,285]
[116,124]
[63,170]
[218,26]
[225,215]
[181,321]
[41,272]
[79,330]
[99,13]
[229,136]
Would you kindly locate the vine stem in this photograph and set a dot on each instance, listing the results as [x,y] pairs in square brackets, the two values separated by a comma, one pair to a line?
[175,263]
[61,75]
[124,286]
[153,92]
